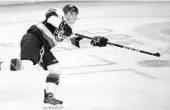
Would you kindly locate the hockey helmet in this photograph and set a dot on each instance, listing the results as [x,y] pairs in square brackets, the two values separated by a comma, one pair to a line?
[70,13]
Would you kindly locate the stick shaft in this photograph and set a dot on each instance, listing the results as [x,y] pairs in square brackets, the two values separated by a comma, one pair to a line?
[122,46]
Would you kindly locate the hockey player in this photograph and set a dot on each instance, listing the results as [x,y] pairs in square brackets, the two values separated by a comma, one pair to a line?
[37,43]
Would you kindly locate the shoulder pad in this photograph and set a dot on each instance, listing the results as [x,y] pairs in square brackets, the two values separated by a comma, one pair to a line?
[51,12]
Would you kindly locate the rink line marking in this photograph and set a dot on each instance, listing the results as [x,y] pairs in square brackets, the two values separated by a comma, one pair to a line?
[95,72]
[18,22]
[165,51]
[86,66]
[9,44]
[102,59]
[112,70]
[143,74]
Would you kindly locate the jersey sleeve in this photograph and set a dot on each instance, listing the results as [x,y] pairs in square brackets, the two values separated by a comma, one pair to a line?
[54,20]
[54,17]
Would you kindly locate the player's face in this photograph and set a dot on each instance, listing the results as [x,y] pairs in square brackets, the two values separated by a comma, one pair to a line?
[71,17]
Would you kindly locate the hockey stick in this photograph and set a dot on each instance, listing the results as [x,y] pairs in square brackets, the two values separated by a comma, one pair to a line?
[125,47]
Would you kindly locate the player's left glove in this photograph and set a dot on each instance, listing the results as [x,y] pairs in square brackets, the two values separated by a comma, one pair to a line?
[99,41]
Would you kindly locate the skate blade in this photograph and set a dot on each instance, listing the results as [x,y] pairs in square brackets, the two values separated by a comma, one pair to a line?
[49,106]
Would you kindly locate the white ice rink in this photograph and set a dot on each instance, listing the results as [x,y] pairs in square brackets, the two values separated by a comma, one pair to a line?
[109,78]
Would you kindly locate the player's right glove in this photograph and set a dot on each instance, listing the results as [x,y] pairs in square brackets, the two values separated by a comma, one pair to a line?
[67,31]
[63,32]
[99,41]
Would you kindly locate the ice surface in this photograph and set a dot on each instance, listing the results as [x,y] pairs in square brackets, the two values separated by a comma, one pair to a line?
[94,78]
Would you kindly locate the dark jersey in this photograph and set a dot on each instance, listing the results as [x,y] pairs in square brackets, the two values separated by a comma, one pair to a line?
[48,30]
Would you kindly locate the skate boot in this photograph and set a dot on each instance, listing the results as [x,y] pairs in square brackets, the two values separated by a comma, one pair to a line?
[50,101]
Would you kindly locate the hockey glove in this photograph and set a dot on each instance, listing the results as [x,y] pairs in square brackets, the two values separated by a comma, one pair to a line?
[99,41]
[65,28]
[75,41]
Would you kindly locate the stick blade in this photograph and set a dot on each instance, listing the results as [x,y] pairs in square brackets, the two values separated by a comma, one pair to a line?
[157,54]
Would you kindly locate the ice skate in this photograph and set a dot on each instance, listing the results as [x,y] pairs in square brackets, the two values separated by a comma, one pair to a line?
[50,102]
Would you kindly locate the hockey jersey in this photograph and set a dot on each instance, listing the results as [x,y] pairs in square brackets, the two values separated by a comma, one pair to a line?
[49,30]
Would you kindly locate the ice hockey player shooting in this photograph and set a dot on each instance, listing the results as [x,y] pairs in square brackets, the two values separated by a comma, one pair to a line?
[37,43]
